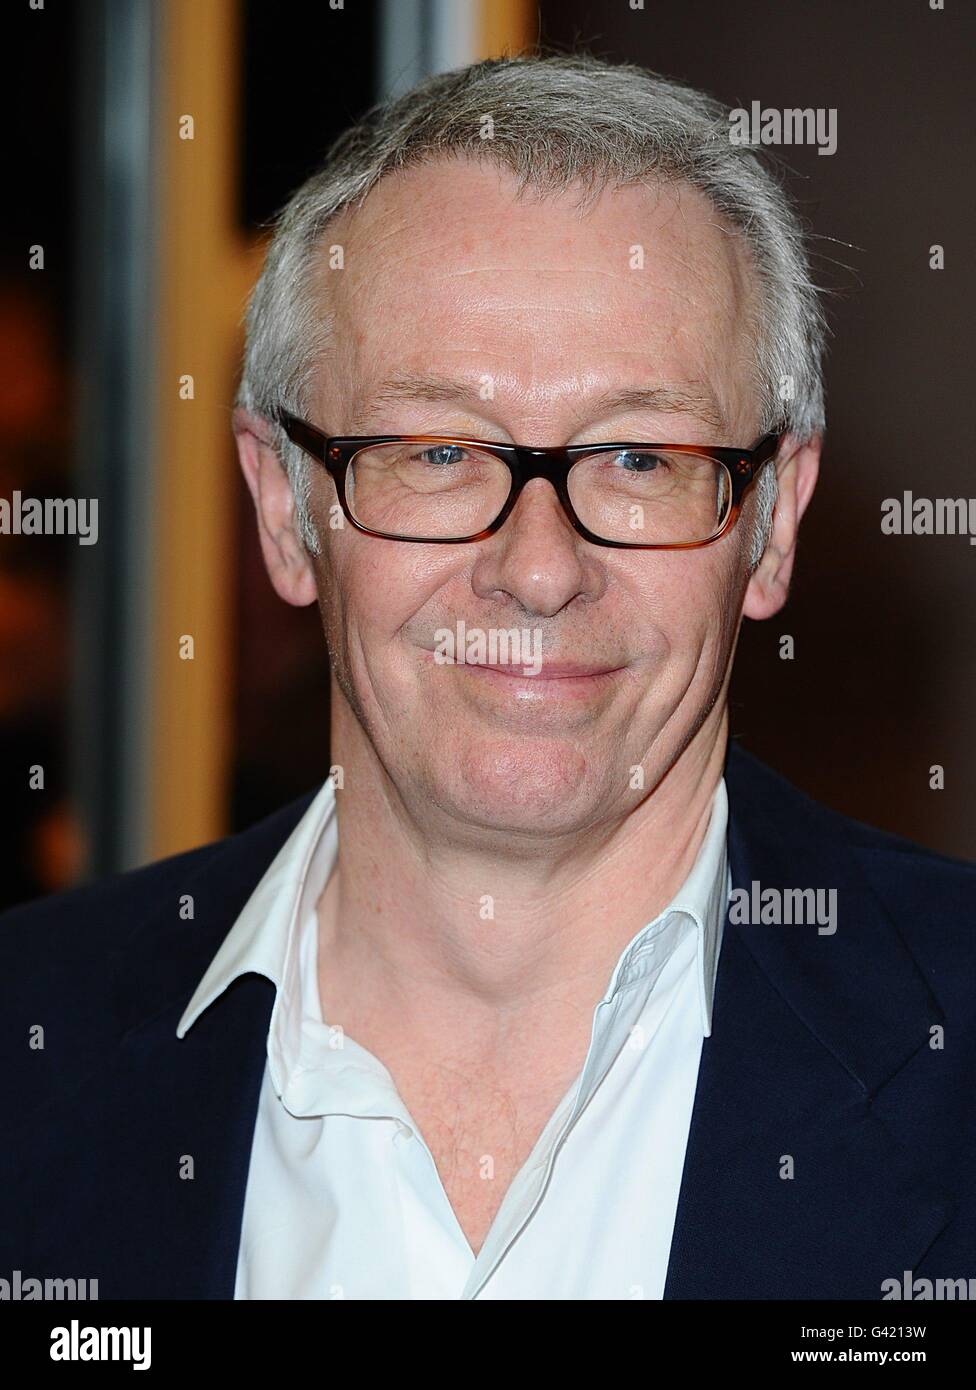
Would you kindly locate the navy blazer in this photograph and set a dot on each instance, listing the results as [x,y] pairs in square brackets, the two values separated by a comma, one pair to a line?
[826,1048]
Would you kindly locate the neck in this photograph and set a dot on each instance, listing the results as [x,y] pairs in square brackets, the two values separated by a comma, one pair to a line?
[430,929]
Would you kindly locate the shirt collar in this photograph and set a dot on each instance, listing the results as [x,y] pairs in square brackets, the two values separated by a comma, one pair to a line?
[703,900]
[266,938]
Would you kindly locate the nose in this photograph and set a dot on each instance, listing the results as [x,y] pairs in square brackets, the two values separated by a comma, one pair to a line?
[537,558]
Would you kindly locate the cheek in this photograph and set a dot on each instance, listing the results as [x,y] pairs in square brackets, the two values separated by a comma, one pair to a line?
[689,608]
[725,613]
[370,592]
[725,588]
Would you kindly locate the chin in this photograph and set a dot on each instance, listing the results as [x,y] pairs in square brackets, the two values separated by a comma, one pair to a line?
[522,784]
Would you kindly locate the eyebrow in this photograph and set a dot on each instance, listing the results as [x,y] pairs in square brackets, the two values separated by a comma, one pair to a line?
[691,398]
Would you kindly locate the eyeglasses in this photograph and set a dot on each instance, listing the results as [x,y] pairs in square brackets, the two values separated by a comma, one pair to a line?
[445,489]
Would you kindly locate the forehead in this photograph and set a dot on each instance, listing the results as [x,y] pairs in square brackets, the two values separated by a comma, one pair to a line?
[446,265]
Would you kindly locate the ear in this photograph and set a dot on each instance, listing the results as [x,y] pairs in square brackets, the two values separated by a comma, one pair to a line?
[796,476]
[284,553]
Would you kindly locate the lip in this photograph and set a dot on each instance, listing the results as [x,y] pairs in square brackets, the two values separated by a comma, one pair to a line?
[558,685]
[555,684]
[549,670]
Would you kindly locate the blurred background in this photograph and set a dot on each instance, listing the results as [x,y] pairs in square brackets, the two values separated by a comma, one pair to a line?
[126,255]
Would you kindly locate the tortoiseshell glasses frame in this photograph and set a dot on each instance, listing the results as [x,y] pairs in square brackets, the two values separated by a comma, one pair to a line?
[336,452]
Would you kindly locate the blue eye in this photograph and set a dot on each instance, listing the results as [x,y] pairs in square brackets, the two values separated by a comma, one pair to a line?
[633,461]
[442,454]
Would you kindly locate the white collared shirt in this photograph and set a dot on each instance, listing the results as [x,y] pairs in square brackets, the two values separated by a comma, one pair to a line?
[343,1198]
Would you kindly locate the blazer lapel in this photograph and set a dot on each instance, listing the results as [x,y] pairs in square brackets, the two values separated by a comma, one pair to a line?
[793,1187]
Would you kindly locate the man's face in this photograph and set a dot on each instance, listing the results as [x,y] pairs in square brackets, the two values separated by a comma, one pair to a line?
[534,312]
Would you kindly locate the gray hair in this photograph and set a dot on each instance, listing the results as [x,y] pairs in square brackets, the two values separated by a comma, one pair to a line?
[556,122]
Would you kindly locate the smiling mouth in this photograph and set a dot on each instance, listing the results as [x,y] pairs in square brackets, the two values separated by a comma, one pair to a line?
[528,670]
[537,681]
[556,686]
[548,671]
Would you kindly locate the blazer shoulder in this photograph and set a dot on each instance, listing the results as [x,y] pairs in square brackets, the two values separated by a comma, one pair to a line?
[928,897]
[931,898]
[782,800]
[73,966]
[88,920]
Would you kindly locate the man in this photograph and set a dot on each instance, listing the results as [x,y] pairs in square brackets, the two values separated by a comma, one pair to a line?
[547,992]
